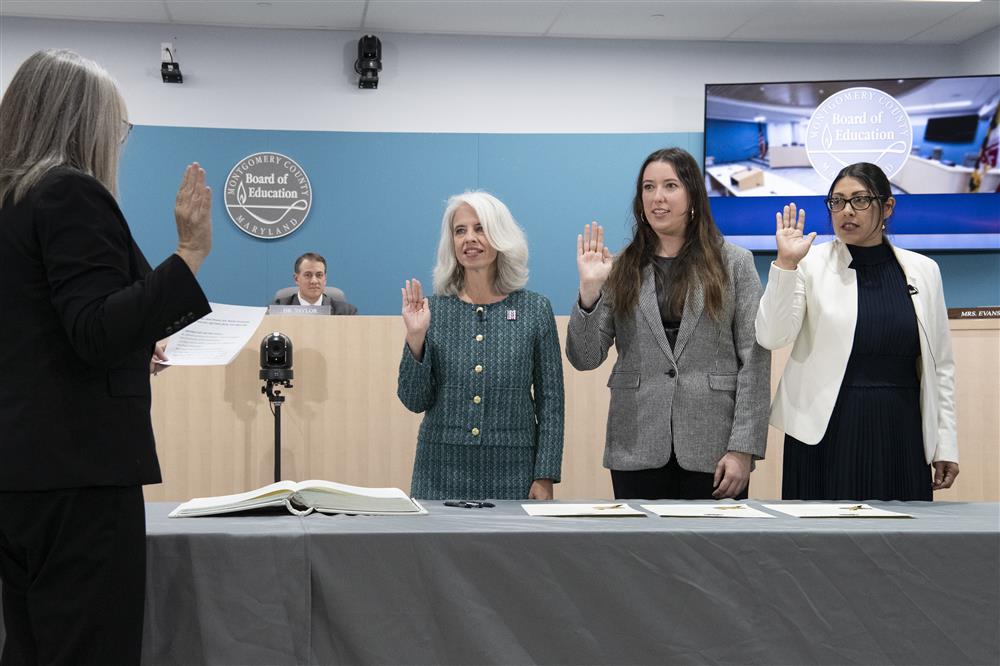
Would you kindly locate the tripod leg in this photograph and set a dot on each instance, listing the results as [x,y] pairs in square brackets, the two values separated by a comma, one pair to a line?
[277,442]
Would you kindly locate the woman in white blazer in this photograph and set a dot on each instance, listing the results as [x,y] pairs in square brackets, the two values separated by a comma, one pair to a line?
[866,400]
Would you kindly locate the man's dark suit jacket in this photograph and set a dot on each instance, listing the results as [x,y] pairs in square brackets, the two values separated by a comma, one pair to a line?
[336,307]
[83,310]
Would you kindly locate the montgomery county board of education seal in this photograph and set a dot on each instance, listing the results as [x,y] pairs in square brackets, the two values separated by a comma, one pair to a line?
[858,125]
[268,195]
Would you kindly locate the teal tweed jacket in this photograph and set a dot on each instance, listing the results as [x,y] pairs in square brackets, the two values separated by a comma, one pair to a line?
[490,378]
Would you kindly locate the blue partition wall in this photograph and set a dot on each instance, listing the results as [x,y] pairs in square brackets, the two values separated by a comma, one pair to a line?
[732,140]
[378,198]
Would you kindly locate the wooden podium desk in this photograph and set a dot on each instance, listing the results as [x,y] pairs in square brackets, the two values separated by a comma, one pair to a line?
[342,421]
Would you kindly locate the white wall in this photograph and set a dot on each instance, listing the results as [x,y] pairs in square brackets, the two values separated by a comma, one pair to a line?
[304,79]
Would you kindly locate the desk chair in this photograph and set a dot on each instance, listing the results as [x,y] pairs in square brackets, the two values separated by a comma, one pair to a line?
[333,292]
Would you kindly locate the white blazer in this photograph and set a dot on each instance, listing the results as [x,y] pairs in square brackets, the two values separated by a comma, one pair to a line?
[816,307]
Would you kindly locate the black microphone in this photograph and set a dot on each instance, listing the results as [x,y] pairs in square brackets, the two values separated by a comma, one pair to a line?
[913,290]
[479,312]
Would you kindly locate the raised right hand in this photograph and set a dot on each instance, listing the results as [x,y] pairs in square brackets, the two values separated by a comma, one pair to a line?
[193,215]
[793,246]
[416,317]
[593,263]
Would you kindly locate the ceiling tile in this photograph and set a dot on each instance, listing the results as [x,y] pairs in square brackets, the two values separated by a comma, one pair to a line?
[486,17]
[769,21]
[318,14]
[655,20]
[974,19]
[845,22]
[97,10]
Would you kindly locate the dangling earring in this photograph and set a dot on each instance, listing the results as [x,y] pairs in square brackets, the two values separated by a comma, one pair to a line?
[692,213]
[642,216]
[883,227]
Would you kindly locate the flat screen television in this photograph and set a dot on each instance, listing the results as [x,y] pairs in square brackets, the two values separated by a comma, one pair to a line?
[952,129]
[937,139]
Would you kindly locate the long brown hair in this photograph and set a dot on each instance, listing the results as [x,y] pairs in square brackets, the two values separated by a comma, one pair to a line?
[700,258]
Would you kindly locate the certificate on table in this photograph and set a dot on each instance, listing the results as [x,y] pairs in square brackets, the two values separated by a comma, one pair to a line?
[821,510]
[216,338]
[559,510]
[688,510]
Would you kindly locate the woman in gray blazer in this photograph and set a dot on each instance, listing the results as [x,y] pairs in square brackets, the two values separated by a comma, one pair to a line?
[690,388]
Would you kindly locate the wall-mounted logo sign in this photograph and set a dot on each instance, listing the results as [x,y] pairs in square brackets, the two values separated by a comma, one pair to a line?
[858,125]
[268,195]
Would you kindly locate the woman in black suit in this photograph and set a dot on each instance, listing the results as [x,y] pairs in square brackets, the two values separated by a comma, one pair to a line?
[84,311]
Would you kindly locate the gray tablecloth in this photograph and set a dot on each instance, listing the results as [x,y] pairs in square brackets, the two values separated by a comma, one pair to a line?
[494,586]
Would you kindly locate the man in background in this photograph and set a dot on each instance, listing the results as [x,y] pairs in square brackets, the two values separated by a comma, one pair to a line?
[310,277]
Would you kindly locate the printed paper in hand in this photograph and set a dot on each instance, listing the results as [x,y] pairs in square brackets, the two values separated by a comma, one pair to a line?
[558,510]
[835,511]
[216,338]
[705,510]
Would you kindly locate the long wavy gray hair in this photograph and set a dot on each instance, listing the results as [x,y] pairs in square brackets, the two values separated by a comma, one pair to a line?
[60,109]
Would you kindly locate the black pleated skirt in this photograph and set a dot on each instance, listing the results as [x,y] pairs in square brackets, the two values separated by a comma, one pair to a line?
[873,448]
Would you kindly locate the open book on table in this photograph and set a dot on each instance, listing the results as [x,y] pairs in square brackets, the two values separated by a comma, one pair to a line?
[303,498]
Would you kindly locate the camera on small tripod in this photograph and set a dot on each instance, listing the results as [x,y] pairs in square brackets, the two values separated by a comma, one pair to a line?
[276,360]
[276,370]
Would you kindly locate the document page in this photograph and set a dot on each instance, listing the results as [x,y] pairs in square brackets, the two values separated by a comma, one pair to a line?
[216,338]
[819,510]
[688,510]
[560,510]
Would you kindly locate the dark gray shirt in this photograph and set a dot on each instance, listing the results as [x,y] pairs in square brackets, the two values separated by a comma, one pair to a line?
[663,271]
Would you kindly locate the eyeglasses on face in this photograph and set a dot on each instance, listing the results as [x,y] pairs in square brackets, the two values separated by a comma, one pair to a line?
[860,202]
[127,130]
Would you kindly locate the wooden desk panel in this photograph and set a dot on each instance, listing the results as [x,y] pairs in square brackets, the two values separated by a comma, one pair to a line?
[343,422]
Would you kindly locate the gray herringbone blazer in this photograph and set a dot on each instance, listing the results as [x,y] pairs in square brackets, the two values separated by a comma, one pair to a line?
[708,395]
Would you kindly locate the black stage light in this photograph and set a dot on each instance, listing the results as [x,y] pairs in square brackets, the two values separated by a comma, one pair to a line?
[170,70]
[369,62]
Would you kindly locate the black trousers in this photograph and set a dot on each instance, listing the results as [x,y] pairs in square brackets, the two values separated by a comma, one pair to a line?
[73,566]
[668,482]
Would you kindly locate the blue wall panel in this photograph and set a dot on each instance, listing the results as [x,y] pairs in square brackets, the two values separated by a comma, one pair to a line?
[377,202]
[971,279]
[378,199]
[953,152]
[555,184]
[732,141]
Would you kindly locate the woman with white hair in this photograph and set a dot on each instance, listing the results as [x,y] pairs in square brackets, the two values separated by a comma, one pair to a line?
[84,311]
[487,369]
